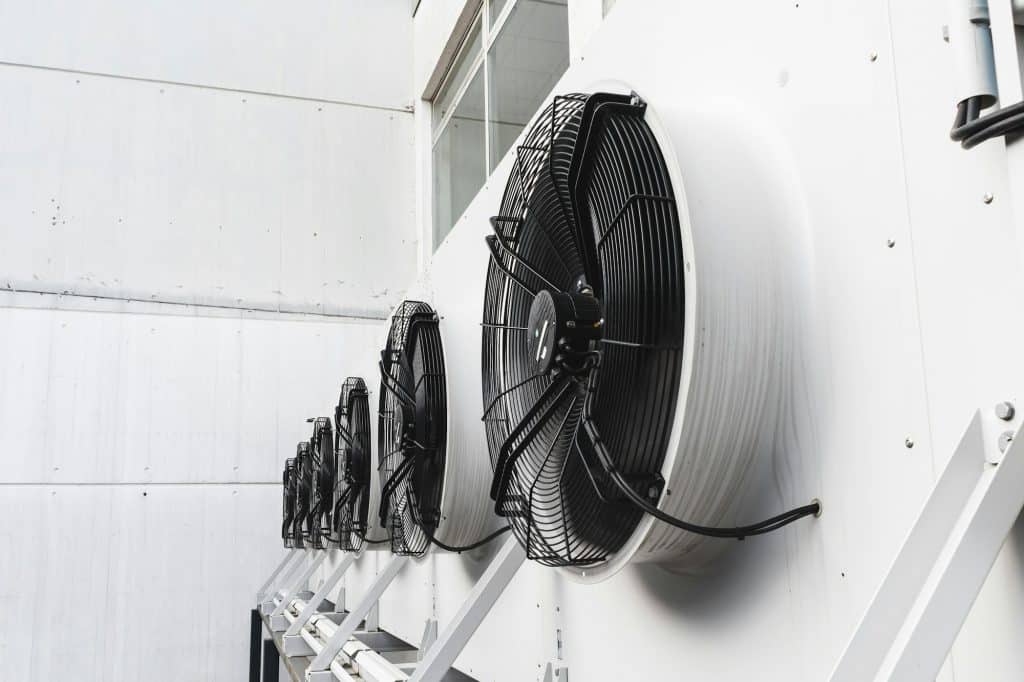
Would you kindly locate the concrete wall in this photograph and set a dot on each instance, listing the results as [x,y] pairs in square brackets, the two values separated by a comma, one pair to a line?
[206,209]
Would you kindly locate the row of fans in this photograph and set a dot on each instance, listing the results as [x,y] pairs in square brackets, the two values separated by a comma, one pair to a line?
[326,485]
[609,377]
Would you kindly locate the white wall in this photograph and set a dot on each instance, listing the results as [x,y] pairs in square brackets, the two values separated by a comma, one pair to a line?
[206,209]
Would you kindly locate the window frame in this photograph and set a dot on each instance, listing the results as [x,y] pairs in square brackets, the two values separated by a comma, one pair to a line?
[488,34]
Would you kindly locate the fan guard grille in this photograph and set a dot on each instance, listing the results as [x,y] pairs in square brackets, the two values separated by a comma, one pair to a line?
[303,493]
[289,481]
[352,445]
[412,428]
[588,207]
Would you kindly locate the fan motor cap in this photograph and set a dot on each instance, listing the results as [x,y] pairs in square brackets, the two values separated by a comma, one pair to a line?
[562,323]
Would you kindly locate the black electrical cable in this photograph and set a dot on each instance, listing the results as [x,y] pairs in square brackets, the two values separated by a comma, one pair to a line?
[971,129]
[465,548]
[737,532]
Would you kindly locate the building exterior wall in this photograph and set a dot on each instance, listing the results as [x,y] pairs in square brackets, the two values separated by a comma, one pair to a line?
[206,211]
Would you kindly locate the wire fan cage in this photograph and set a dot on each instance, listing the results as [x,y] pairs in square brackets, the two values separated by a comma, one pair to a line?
[412,429]
[587,265]
[289,489]
[321,447]
[304,526]
[352,448]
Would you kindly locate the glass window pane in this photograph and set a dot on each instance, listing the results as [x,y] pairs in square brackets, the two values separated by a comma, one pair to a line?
[496,7]
[459,161]
[445,98]
[527,58]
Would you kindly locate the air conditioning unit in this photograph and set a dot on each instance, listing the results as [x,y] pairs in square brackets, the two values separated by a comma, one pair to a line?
[634,341]
[353,497]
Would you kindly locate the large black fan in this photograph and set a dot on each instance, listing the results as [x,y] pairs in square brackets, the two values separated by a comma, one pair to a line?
[352,448]
[412,432]
[321,448]
[289,485]
[583,328]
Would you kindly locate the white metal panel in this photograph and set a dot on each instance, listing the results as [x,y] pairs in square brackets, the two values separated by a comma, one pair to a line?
[347,50]
[968,274]
[105,397]
[150,191]
[126,582]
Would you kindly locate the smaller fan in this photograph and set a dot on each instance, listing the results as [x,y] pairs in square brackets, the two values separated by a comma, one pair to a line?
[352,449]
[413,428]
[324,472]
[289,481]
[303,493]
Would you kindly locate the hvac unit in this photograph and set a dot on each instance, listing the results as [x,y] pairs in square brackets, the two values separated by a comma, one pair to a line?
[353,495]
[304,527]
[323,474]
[433,490]
[633,344]
[289,493]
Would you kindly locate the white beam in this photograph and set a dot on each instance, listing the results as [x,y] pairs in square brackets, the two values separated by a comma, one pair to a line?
[442,654]
[913,620]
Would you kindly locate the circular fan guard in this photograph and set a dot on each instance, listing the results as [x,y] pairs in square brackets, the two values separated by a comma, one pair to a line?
[583,328]
[289,481]
[352,447]
[324,471]
[412,428]
[303,493]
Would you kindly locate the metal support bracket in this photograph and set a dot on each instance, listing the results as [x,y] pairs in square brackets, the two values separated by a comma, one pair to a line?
[294,645]
[428,638]
[911,624]
[503,567]
[269,583]
[278,623]
[266,602]
[319,668]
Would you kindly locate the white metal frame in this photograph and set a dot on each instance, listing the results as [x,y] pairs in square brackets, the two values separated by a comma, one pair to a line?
[294,644]
[440,655]
[320,668]
[913,620]
[279,577]
[278,622]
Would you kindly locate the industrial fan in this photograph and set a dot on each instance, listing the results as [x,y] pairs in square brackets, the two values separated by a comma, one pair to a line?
[432,490]
[324,473]
[629,373]
[288,485]
[304,527]
[352,450]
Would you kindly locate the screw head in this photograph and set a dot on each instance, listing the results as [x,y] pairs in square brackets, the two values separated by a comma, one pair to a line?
[1005,438]
[1005,410]
[891,243]
[909,442]
[873,56]
[987,198]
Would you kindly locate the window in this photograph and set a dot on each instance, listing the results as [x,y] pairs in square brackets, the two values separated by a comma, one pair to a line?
[514,53]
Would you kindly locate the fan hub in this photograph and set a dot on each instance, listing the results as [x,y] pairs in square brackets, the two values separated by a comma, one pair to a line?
[562,329]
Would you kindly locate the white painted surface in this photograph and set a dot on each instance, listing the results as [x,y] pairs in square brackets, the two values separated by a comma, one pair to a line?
[345,50]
